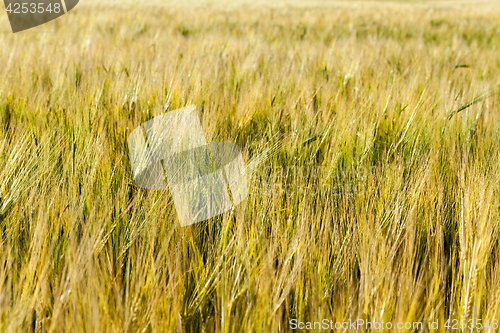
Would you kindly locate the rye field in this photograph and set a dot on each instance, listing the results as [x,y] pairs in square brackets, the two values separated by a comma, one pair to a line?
[370,131]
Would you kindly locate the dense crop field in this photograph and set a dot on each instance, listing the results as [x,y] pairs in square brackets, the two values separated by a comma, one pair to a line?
[371,135]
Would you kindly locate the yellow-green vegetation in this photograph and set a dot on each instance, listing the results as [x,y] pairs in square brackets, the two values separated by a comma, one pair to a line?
[406,92]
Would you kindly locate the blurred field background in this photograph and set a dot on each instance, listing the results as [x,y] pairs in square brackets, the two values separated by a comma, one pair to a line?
[404,90]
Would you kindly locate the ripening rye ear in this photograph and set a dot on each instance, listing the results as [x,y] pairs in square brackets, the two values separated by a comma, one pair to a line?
[26,14]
